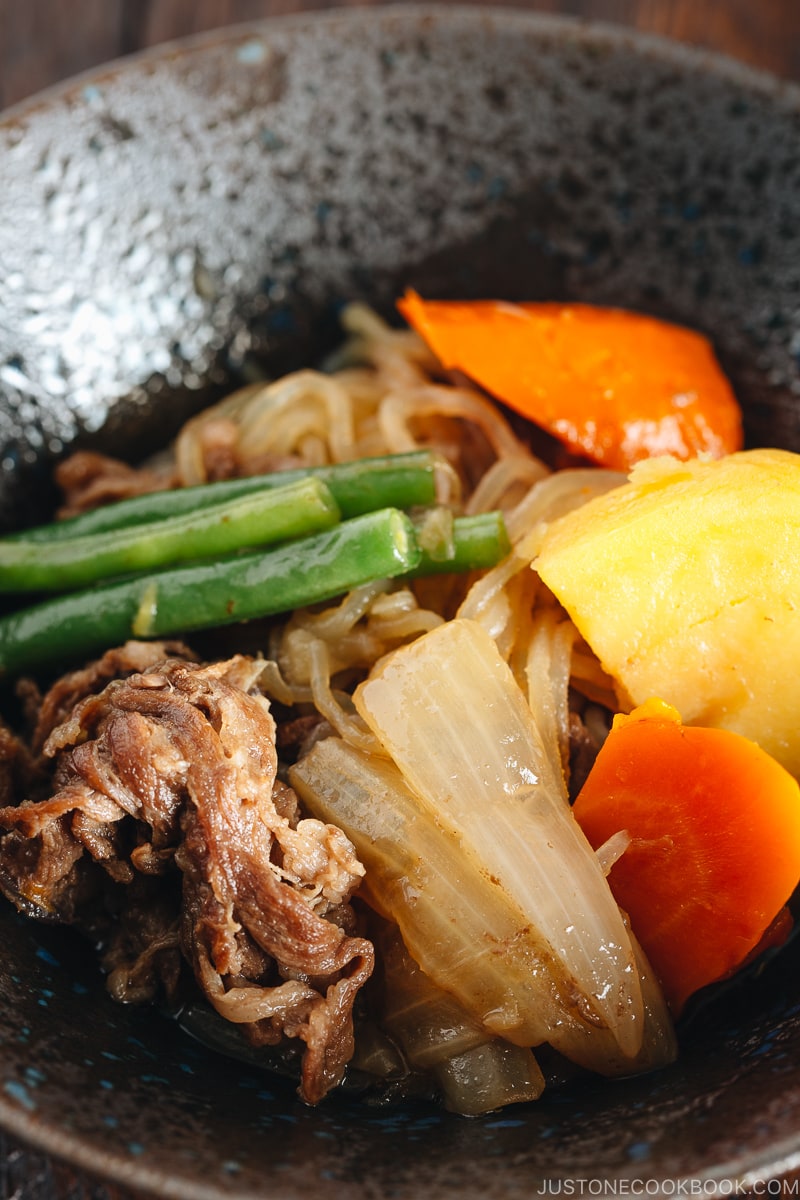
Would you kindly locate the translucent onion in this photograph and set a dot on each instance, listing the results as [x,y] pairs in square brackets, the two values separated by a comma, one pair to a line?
[457,924]
[429,1023]
[475,1072]
[488,1076]
[448,711]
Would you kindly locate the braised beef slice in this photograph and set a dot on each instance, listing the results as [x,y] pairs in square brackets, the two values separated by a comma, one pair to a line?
[90,480]
[166,800]
[130,659]
[19,774]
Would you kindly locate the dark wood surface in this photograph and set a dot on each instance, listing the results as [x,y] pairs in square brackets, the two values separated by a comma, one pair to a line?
[44,41]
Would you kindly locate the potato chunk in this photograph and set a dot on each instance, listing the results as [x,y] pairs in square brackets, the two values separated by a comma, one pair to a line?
[685,582]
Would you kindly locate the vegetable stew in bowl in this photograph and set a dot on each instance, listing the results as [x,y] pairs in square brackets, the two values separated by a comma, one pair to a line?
[279,833]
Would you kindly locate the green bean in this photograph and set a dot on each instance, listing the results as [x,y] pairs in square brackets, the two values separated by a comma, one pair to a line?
[364,485]
[182,599]
[262,519]
[476,543]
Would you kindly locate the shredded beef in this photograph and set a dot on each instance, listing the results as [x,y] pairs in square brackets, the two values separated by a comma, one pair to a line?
[19,774]
[89,480]
[59,703]
[165,798]
[582,753]
[218,448]
[588,728]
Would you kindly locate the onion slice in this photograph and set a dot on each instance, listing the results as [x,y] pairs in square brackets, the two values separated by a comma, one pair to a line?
[449,712]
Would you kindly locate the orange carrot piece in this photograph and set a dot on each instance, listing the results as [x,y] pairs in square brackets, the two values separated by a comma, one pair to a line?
[714,856]
[613,386]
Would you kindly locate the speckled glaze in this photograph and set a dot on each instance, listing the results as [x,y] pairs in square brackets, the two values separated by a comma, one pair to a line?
[170,220]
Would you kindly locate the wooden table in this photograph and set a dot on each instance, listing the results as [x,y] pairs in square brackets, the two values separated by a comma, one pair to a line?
[43,41]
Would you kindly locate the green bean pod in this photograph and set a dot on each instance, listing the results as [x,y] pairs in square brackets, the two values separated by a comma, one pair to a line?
[182,599]
[261,519]
[476,543]
[363,485]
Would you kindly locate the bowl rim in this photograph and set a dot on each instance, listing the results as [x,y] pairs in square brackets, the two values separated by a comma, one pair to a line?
[781,1161]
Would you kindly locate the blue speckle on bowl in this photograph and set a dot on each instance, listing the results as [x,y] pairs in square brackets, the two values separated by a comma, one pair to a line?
[19,1093]
[252,52]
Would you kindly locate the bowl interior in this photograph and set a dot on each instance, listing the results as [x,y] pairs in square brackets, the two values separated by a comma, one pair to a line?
[172,221]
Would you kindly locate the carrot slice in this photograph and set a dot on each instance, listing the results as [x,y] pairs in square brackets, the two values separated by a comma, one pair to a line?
[714,855]
[613,386]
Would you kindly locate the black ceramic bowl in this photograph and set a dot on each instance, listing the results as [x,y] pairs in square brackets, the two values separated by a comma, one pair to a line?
[168,220]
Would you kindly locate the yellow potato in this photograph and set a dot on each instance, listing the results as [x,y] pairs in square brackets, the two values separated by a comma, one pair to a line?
[685,582]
